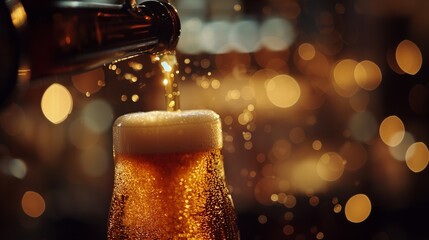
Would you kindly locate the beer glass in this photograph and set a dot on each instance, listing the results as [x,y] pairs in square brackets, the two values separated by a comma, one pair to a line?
[169,178]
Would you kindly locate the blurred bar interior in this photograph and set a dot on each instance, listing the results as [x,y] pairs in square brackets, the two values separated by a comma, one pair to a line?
[324,106]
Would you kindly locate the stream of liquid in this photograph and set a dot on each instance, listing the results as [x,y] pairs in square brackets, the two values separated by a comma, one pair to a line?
[169,67]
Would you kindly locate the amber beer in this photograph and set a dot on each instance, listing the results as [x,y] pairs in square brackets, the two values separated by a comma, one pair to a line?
[169,178]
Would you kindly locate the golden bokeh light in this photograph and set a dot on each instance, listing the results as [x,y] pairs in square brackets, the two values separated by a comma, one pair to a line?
[368,75]
[281,149]
[283,91]
[18,14]
[304,177]
[392,131]
[135,97]
[33,204]
[320,235]
[262,219]
[314,201]
[136,66]
[417,157]
[288,230]
[288,216]
[317,145]
[344,77]
[358,208]
[330,166]
[89,82]
[57,103]
[337,208]
[265,188]
[409,57]
[290,201]
[274,197]
[245,118]
[297,135]
[237,7]
[306,51]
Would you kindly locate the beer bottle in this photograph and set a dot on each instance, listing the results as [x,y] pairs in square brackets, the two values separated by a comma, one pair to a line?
[39,39]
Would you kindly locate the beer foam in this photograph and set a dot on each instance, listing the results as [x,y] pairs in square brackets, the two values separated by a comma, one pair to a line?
[167,132]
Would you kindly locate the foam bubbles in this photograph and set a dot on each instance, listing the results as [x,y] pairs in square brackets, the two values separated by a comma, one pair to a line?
[166,132]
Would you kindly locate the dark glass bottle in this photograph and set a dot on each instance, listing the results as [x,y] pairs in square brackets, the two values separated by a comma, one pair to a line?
[44,38]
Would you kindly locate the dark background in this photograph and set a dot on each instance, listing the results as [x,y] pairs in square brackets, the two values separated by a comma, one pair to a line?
[77,198]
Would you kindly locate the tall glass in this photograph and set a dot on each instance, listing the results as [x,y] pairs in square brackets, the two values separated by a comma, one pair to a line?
[169,178]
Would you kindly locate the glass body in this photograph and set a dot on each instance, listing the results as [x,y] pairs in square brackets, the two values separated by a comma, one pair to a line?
[179,195]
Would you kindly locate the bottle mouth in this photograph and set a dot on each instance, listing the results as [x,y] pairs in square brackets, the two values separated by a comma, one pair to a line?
[167,24]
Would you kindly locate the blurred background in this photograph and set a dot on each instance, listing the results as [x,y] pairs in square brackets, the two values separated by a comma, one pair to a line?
[324,106]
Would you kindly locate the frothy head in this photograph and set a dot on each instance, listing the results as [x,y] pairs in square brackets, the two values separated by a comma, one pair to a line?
[167,132]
